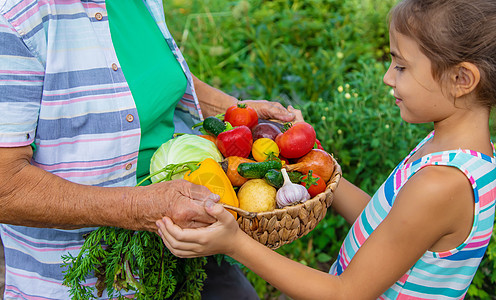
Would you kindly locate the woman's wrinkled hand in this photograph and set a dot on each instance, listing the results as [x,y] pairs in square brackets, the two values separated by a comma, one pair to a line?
[274,110]
[218,238]
[180,200]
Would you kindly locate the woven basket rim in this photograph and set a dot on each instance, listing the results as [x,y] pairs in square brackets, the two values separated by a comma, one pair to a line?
[331,187]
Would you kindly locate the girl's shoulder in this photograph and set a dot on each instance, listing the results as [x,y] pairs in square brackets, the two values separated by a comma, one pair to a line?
[444,200]
[438,179]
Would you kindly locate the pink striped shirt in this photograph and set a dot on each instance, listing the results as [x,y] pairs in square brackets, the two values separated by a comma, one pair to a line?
[75,113]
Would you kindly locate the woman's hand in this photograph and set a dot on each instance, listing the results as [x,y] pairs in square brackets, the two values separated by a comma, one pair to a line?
[214,101]
[220,237]
[274,110]
[180,200]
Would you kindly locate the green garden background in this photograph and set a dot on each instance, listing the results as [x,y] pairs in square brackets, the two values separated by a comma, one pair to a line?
[327,58]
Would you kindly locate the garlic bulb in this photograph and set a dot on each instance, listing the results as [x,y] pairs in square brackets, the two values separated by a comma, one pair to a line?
[290,193]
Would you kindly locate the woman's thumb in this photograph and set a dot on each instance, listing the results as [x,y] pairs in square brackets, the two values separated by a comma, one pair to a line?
[214,209]
[297,113]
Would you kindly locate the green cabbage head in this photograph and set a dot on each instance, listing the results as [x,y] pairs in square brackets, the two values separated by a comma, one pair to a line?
[184,148]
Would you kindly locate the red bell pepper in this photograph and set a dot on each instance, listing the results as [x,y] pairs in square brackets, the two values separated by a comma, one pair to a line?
[235,142]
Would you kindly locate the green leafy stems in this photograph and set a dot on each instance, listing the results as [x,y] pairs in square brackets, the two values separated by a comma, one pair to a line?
[171,170]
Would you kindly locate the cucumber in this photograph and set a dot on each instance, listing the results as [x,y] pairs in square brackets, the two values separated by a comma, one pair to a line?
[213,125]
[275,178]
[258,169]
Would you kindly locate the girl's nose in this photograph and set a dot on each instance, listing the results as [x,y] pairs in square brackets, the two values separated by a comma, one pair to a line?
[388,78]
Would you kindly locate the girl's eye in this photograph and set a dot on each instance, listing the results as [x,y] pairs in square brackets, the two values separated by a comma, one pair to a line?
[399,69]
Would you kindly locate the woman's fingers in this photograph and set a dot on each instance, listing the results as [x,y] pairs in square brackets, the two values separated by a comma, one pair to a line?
[297,113]
[280,113]
[271,110]
[200,193]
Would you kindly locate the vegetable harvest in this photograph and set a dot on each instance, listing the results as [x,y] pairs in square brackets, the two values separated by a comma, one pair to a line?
[245,155]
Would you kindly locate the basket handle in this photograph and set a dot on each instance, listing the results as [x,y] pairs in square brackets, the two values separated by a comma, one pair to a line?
[240,211]
[337,174]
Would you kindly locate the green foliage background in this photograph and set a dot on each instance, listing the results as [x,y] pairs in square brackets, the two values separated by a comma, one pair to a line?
[327,58]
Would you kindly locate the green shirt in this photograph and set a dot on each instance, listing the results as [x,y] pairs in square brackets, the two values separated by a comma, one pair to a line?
[155,77]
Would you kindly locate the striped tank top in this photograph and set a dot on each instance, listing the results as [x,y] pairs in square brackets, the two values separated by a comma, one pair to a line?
[436,275]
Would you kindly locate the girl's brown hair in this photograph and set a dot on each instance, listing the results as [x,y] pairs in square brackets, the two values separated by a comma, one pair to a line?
[450,32]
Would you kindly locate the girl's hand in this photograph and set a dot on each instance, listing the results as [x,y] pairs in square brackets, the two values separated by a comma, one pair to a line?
[218,238]
[274,110]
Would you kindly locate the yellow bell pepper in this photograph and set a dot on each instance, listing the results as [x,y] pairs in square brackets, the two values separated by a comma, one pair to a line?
[210,174]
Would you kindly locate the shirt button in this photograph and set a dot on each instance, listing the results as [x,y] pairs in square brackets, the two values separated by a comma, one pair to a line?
[129,166]
[115,67]
[98,16]
[130,118]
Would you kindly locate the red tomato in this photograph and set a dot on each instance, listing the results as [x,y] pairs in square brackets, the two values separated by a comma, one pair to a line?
[241,114]
[316,184]
[297,141]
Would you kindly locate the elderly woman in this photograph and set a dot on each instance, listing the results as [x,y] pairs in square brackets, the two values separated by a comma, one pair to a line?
[88,91]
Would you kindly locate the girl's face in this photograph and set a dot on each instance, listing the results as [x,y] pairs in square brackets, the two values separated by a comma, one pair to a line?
[418,95]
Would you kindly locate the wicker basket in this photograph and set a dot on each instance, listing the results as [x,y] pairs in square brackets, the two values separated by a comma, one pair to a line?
[282,226]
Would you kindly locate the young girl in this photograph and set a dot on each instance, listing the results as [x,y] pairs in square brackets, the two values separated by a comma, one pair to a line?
[425,231]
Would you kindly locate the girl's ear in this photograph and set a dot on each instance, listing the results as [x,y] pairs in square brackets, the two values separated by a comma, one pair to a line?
[466,78]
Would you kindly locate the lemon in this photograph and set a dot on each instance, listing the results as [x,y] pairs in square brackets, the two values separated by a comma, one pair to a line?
[263,147]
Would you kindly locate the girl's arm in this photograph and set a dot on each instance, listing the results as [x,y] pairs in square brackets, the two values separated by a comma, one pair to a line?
[349,200]
[433,211]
